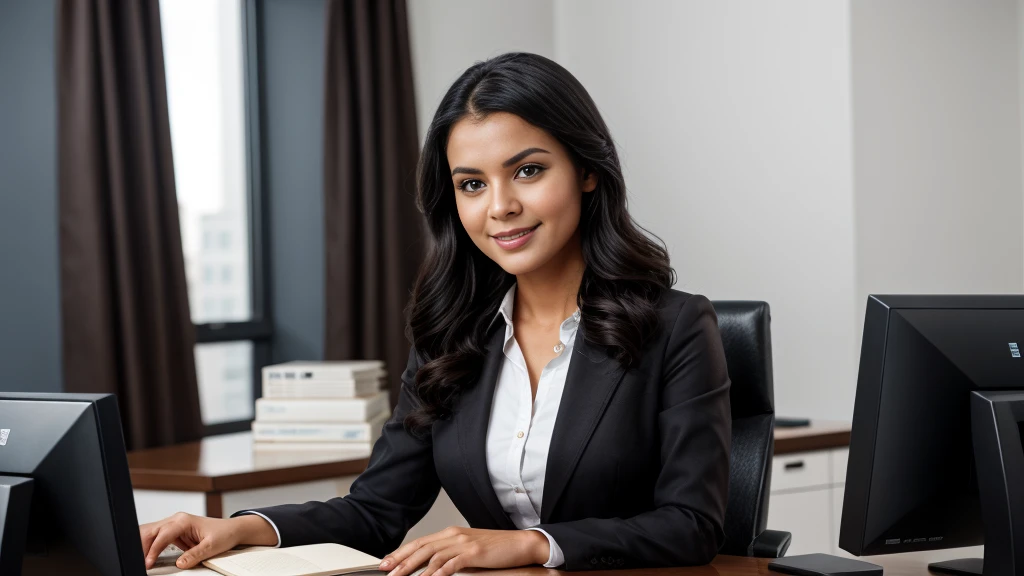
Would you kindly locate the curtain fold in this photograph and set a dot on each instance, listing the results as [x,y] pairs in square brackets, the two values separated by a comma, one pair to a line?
[124,299]
[374,233]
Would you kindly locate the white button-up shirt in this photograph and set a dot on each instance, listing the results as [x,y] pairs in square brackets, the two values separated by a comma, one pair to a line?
[520,428]
[519,431]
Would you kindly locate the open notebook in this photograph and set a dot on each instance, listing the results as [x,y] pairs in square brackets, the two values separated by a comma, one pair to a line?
[309,560]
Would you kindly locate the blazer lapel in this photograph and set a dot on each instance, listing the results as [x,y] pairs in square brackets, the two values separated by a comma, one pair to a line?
[472,419]
[589,383]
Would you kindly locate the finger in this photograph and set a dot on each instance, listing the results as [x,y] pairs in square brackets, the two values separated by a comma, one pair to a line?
[205,549]
[452,566]
[438,560]
[393,559]
[421,556]
[147,533]
[168,533]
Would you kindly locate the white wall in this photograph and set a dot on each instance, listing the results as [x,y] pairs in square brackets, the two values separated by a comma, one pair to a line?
[937,147]
[448,36]
[802,152]
[733,121]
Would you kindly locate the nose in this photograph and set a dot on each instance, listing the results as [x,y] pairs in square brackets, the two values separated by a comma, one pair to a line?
[503,202]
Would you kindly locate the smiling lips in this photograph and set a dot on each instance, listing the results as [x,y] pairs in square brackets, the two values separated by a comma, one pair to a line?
[512,239]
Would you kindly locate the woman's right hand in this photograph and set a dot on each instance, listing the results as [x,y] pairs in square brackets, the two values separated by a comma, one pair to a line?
[201,537]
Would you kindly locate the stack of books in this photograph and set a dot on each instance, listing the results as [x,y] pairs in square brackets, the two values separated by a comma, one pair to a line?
[322,406]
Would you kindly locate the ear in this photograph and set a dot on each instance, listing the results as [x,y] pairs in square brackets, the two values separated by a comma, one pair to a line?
[588,180]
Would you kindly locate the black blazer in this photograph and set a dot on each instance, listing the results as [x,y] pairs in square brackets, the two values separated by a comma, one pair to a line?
[637,471]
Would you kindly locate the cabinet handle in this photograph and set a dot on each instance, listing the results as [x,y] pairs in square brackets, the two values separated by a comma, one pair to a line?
[795,465]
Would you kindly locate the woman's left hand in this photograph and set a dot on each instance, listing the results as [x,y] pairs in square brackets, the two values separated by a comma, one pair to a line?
[455,548]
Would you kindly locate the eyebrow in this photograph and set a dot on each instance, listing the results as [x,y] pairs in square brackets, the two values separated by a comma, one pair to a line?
[505,164]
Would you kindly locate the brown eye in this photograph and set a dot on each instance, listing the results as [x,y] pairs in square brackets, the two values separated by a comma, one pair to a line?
[529,171]
[470,186]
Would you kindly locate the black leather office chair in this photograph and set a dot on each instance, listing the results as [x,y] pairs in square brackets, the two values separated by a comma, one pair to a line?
[746,333]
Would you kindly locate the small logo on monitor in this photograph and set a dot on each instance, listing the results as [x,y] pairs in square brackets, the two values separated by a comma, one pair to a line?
[3,436]
[1014,351]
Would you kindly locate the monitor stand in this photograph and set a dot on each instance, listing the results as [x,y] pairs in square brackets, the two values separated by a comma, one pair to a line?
[15,499]
[997,423]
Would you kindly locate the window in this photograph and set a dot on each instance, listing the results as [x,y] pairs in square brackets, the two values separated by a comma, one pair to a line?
[209,58]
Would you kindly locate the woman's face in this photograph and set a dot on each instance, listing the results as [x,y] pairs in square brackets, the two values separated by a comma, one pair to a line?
[512,177]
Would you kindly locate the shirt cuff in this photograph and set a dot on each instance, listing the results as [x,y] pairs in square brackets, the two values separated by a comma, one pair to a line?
[276,531]
[555,557]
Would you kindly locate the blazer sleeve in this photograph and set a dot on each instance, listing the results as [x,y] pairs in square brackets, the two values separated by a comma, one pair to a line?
[395,491]
[686,526]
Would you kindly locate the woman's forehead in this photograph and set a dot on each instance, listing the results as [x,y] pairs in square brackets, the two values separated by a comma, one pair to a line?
[493,139]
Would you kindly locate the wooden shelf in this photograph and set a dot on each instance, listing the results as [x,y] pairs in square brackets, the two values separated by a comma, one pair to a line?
[227,462]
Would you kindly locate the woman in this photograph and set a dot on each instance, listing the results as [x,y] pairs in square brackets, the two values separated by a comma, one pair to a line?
[573,406]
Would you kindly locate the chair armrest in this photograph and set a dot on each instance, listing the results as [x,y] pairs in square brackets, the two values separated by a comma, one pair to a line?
[772,544]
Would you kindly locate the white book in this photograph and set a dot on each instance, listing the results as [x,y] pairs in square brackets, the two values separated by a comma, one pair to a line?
[321,388]
[320,432]
[291,410]
[308,560]
[350,450]
[330,371]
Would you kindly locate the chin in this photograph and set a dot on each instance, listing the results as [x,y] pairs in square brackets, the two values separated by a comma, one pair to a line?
[516,265]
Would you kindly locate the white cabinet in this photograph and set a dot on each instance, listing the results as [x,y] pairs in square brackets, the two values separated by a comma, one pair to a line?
[806,499]
[794,512]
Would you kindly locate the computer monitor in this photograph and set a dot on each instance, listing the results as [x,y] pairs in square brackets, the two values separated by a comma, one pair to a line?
[939,399]
[66,503]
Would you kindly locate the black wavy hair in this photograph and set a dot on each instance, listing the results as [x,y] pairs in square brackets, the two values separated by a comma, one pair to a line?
[458,289]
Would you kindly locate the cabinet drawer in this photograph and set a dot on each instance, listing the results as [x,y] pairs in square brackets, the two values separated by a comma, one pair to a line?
[807,515]
[803,470]
[839,458]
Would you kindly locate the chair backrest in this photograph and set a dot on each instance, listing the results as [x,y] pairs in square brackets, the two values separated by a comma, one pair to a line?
[746,333]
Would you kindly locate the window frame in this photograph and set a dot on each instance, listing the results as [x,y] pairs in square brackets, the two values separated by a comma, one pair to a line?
[259,329]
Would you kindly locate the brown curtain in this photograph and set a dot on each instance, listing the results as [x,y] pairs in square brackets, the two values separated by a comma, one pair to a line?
[373,229]
[124,301]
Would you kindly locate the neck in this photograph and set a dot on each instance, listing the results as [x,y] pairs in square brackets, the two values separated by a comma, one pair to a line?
[547,296]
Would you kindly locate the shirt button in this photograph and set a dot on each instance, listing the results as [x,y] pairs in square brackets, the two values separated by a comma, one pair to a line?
[518,490]
[576,315]
[559,347]
[520,434]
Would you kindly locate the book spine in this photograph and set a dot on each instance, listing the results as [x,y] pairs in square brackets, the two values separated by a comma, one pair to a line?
[298,375]
[266,431]
[346,447]
[321,410]
[321,389]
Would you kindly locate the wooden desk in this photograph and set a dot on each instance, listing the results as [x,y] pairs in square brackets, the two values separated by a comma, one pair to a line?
[225,468]
[912,564]
[820,435]
[222,474]
[226,465]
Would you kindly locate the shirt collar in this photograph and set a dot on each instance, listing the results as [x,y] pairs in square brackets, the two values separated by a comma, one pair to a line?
[508,302]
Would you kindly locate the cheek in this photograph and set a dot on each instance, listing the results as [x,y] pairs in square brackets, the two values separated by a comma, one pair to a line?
[558,205]
[466,216]
[473,217]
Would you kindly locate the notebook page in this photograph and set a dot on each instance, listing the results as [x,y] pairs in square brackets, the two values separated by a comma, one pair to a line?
[335,556]
[295,561]
[269,563]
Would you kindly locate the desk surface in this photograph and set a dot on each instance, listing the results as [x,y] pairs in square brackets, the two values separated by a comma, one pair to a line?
[912,564]
[227,462]
[820,435]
